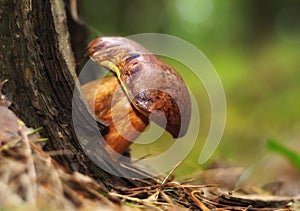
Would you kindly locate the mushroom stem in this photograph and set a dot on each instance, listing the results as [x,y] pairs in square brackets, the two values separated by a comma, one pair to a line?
[107,100]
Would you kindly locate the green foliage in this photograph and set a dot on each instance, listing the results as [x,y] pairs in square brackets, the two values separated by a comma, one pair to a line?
[291,155]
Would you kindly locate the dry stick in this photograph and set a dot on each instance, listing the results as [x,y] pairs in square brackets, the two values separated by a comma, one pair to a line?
[166,198]
[136,192]
[208,201]
[146,202]
[200,204]
[141,158]
[247,208]
[32,189]
[10,144]
[200,186]
[163,183]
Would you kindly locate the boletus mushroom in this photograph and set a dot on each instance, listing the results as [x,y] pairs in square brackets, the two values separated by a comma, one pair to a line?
[149,88]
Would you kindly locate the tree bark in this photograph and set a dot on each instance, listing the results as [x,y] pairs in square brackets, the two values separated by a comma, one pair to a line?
[37,59]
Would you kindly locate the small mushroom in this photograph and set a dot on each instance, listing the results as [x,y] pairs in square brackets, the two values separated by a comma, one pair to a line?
[152,86]
[109,103]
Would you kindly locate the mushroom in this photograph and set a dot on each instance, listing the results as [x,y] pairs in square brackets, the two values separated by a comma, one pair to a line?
[151,87]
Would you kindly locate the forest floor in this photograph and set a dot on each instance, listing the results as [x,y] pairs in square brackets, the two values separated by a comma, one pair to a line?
[31,180]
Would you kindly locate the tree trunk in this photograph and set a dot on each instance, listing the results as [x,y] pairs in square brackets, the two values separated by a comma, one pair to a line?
[37,59]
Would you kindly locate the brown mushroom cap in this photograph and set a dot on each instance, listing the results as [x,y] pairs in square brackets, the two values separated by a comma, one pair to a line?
[152,85]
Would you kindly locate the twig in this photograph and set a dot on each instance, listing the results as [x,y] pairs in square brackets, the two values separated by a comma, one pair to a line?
[32,189]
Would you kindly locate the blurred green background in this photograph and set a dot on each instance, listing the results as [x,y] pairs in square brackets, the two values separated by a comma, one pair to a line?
[254,46]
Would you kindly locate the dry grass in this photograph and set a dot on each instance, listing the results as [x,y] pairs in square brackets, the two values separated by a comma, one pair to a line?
[31,180]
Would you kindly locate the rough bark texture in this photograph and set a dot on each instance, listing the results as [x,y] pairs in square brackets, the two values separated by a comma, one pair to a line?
[37,59]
